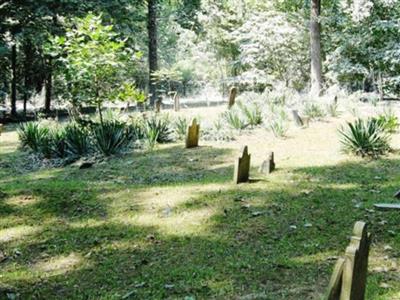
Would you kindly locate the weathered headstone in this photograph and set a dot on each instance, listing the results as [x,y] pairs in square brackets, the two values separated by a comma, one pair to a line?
[1,128]
[349,278]
[268,165]
[177,103]
[242,167]
[232,97]
[192,136]
[158,105]
[300,121]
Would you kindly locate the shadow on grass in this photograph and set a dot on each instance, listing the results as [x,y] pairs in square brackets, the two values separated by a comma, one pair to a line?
[269,240]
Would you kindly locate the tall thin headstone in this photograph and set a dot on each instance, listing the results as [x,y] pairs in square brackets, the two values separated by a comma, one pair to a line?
[268,165]
[242,167]
[1,128]
[177,104]
[232,96]
[192,136]
[349,278]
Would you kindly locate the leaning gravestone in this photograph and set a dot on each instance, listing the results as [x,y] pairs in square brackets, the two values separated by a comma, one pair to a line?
[301,122]
[232,97]
[192,136]
[242,167]
[268,165]
[1,128]
[348,281]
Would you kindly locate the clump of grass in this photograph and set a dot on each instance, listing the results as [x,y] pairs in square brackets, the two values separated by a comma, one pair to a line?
[332,110]
[234,120]
[217,132]
[252,112]
[160,125]
[77,140]
[388,121]
[110,137]
[180,127]
[313,111]
[365,138]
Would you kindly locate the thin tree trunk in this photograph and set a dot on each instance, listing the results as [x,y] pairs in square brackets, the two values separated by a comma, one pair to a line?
[315,38]
[14,80]
[48,87]
[153,57]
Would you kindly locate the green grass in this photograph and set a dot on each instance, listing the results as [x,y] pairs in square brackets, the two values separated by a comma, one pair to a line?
[169,224]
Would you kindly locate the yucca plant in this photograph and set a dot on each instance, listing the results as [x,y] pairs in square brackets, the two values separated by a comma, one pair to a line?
[234,120]
[333,110]
[110,137]
[388,121]
[252,113]
[365,138]
[180,127]
[77,140]
[162,126]
[57,144]
[151,137]
[313,111]
[32,135]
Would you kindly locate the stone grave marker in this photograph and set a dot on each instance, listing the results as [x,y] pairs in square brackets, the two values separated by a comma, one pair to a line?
[177,103]
[268,165]
[192,136]
[232,97]
[349,278]
[242,166]
[300,121]
[1,128]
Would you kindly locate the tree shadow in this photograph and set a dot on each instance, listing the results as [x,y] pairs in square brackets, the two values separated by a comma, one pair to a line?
[270,239]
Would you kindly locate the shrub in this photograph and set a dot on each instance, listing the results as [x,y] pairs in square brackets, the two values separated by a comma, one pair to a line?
[217,132]
[365,138]
[252,113]
[159,125]
[313,111]
[388,121]
[77,140]
[234,120]
[31,135]
[180,127]
[333,110]
[110,137]
[56,142]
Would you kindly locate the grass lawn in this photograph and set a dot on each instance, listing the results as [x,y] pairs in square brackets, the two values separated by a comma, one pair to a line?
[170,224]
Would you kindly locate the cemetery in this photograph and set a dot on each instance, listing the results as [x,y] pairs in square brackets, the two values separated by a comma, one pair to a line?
[200,150]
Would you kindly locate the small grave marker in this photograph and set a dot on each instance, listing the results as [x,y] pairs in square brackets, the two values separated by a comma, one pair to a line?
[268,165]
[158,105]
[232,97]
[242,167]
[301,122]
[1,128]
[192,136]
[349,278]
[177,103]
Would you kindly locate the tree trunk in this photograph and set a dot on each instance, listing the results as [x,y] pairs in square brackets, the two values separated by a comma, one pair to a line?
[48,87]
[14,80]
[315,36]
[153,57]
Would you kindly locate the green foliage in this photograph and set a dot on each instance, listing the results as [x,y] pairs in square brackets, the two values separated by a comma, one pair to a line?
[365,138]
[94,63]
[313,111]
[332,110]
[110,137]
[159,126]
[217,132]
[32,135]
[234,120]
[252,113]
[180,127]
[77,140]
[388,121]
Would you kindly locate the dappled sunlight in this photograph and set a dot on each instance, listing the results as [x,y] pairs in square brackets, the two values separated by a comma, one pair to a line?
[327,256]
[59,264]
[18,232]
[22,200]
[179,223]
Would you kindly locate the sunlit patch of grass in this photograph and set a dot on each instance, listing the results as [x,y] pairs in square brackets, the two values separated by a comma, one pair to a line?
[17,233]
[22,200]
[59,265]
